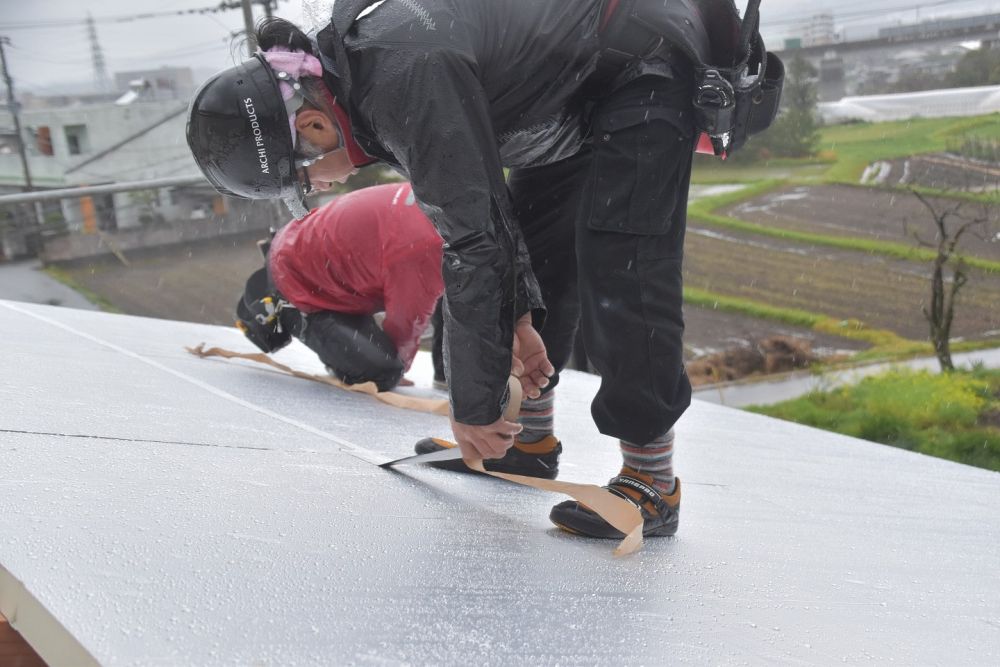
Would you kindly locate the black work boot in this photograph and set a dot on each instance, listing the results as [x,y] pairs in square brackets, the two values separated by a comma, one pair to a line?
[660,513]
[537,459]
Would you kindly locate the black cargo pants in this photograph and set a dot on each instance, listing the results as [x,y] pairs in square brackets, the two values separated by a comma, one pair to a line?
[605,230]
[353,347]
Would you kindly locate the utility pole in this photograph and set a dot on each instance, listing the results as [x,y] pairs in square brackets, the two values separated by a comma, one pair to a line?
[14,112]
[248,26]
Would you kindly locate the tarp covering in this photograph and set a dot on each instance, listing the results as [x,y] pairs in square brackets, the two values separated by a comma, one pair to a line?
[925,104]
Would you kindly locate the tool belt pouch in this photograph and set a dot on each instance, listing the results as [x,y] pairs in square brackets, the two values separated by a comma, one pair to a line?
[756,103]
[732,104]
[736,94]
[264,317]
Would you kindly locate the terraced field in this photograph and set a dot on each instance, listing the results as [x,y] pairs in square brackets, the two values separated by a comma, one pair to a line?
[881,291]
[885,294]
[845,211]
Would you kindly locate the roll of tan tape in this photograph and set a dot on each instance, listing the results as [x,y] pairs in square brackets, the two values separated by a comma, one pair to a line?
[516,396]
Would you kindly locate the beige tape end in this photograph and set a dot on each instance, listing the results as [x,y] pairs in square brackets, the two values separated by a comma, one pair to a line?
[434,406]
[620,513]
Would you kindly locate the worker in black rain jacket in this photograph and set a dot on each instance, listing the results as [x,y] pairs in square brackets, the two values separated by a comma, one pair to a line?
[589,103]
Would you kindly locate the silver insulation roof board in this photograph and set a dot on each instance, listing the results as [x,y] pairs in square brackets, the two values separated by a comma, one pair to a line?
[160,509]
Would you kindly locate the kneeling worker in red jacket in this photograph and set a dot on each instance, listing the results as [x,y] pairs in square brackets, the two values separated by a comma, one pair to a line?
[366,252]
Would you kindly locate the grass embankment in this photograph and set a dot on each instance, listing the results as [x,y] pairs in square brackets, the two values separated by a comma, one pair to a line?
[955,416]
[92,296]
[845,150]
[858,145]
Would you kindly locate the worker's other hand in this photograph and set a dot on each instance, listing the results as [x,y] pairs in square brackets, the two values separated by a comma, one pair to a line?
[531,363]
[485,442]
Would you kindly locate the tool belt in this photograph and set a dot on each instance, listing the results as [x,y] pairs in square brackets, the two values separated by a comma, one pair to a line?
[737,82]
[265,317]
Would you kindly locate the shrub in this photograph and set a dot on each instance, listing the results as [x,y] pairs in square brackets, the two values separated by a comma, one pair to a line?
[946,415]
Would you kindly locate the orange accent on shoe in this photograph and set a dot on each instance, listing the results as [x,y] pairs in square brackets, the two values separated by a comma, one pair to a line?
[673,500]
[567,529]
[444,443]
[543,446]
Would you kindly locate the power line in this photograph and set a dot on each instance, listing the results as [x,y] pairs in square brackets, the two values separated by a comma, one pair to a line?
[224,6]
[75,62]
[122,18]
[191,49]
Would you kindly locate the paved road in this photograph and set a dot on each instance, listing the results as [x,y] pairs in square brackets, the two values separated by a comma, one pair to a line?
[25,281]
[768,392]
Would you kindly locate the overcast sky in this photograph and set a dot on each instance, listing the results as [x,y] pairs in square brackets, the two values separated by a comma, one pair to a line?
[49,45]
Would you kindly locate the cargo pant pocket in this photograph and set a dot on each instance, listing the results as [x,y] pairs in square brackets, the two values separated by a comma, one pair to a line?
[637,169]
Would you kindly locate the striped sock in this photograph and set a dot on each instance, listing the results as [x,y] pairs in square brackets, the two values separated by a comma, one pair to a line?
[537,416]
[655,458]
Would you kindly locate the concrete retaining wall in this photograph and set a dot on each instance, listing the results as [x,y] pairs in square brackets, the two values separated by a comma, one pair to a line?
[75,245]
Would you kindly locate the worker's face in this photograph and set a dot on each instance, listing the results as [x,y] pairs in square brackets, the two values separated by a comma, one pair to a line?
[334,165]
[330,168]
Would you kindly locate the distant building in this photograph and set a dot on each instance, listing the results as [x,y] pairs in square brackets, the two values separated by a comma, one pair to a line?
[133,133]
[819,31]
[928,49]
[108,143]
[165,83]
[940,28]
[34,101]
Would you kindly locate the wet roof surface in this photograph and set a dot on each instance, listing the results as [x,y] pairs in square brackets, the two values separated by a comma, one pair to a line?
[173,510]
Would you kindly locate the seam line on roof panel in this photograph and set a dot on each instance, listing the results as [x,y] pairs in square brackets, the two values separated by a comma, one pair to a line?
[91,436]
[348,447]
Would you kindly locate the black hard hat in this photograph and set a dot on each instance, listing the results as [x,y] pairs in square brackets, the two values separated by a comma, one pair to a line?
[239,135]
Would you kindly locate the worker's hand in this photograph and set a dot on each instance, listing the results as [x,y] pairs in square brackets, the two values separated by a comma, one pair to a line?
[485,442]
[531,363]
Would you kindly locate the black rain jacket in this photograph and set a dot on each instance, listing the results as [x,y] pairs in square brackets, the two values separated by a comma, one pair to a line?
[451,92]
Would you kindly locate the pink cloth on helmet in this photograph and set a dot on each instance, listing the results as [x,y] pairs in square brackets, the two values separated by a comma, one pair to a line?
[295,64]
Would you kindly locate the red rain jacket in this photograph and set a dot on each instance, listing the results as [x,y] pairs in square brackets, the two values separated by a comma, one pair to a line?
[368,251]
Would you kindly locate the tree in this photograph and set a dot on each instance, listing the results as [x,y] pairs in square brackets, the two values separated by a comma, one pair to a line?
[976,68]
[950,224]
[914,79]
[795,133]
